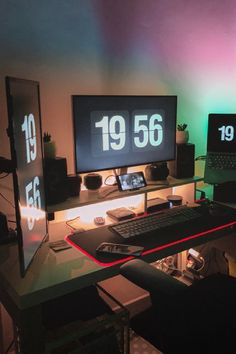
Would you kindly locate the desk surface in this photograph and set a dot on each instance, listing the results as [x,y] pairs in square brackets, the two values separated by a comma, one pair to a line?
[50,273]
[56,274]
[53,274]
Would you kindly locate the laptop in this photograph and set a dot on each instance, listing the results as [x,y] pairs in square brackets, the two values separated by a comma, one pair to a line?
[221,149]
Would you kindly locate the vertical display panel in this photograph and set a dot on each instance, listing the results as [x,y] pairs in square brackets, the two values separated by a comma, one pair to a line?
[25,134]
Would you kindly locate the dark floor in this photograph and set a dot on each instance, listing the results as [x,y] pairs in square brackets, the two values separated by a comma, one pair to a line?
[139,346]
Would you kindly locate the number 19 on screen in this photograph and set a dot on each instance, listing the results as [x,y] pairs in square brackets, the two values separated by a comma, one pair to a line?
[116,132]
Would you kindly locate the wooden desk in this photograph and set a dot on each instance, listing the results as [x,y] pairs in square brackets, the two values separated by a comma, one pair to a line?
[49,276]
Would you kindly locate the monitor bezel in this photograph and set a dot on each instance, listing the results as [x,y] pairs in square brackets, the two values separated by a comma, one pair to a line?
[80,171]
[10,131]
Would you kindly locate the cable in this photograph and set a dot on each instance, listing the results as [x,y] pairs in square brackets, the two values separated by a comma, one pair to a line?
[7,174]
[167,265]
[203,264]
[112,189]
[203,194]
[9,347]
[200,158]
[8,201]
[72,227]
[109,184]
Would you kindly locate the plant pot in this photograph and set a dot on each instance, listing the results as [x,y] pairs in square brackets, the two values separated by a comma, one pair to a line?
[182,136]
[49,150]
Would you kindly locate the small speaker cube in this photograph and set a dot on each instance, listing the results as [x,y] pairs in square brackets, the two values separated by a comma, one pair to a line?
[183,165]
[55,176]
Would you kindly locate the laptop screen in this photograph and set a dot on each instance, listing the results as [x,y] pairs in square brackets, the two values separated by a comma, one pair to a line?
[221,133]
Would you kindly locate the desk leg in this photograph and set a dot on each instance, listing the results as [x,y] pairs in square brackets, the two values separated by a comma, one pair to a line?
[31,331]
[1,330]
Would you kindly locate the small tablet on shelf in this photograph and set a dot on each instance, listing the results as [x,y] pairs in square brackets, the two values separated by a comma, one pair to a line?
[131,181]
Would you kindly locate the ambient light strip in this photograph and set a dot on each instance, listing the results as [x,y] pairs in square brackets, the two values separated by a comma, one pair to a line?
[185,239]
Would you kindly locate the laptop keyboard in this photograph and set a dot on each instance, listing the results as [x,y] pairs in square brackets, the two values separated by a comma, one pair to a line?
[222,161]
[155,221]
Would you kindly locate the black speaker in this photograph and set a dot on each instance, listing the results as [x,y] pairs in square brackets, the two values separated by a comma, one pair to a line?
[225,192]
[92,181]
[73,184]
[55,176]
[183,166]
[156,171]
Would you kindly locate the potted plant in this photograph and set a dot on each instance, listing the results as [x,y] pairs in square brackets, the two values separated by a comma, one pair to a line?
[49,146]
[182,135]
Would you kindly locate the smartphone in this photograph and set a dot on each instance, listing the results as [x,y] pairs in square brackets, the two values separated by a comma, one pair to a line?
[59,245]
[116,248]
[130,181]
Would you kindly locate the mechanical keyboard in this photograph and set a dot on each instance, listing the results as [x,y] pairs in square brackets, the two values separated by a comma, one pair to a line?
[222,161]
[155,221]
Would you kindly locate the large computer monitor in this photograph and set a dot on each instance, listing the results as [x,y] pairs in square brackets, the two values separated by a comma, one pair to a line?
[26,150]
[121,131]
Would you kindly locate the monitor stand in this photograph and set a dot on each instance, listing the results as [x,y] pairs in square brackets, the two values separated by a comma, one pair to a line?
[120,171]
